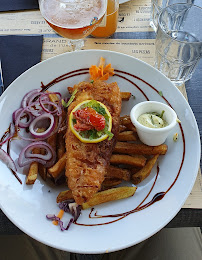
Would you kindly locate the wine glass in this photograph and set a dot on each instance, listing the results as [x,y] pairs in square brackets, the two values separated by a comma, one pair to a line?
[73,19]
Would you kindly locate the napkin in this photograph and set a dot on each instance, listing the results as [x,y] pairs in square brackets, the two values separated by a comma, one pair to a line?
[17,54]
[14,5]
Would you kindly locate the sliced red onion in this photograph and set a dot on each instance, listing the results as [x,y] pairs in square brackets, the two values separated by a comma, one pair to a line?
[16,113]
[28,154]
[50,106]
[41,139]
[5,158]
[35,109]
[29,96]
[47,133]
[43,101]
[11,133]
[18,116]
[26,157]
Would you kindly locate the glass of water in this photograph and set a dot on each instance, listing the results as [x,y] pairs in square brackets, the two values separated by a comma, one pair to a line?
[179,41]
[158,5]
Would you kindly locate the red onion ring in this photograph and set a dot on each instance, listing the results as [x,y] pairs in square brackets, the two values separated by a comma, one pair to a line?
[26,157]
[19,114]
[48,131]
[29,96]
[51,104]
[16,113]
[6,159]
[35,112]
[11,134]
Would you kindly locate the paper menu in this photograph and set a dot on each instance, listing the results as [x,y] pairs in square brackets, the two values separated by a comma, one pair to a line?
[134,16]
[142,49]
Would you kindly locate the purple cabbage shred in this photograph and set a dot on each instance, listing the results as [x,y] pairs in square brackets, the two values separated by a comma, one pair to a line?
[68,206]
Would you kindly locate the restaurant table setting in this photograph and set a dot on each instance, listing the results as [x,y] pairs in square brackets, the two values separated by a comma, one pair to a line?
[26,39]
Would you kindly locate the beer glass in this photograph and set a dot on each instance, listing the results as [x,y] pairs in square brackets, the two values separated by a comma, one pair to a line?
[109,23]
[73,19]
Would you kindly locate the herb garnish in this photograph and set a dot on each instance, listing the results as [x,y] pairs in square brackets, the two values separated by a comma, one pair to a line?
[94,134]
[162,113]
[70,100]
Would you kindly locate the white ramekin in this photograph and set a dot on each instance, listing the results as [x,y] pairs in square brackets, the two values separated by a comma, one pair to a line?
[153,136]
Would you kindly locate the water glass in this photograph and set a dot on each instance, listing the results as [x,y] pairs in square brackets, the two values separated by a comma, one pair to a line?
[158,5]
[179,41]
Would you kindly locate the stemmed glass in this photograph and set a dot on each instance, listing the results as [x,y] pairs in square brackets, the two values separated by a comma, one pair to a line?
[73,19]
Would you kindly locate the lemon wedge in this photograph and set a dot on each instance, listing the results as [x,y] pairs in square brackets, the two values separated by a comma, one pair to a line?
[83,136]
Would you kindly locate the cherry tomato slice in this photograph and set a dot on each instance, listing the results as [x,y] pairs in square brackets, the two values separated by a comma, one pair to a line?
[89,117]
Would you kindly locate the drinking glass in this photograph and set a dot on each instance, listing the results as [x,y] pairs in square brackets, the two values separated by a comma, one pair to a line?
[158,5]
[179,41]
[73,19]
[109,23]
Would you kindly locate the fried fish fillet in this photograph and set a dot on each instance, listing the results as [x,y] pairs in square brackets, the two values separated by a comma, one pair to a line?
[87,162]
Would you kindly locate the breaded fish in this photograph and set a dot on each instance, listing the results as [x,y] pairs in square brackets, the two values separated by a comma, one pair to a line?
[87,162]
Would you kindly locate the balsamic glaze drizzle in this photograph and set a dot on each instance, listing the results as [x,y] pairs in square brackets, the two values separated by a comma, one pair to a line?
[158,196]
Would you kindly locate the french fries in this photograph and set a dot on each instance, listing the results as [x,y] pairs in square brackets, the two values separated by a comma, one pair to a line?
[42,171]
[136,160]
[145,171]
[116,172]
[64,195]
[110,182]
[127,136]
[57,168]
[32,174]
[134,148]
[109,195]
[61,140]
[122,128]
[125,120]
[125,96]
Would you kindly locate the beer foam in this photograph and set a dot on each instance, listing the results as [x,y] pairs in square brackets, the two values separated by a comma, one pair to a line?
[72,13]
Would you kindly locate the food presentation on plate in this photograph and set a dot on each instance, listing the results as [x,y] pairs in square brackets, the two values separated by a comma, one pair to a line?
[81,164]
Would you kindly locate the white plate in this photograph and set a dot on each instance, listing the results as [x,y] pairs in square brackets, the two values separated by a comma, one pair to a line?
[27,206]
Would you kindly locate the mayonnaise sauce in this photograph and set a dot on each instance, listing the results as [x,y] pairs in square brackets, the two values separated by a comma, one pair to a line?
[152,120]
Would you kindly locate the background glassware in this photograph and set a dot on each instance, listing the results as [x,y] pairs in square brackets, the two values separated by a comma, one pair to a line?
[73,19]
[179,41]
[109,23]
[158,5]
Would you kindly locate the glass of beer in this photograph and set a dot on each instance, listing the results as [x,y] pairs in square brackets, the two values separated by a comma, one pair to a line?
[73,19]
[109,23]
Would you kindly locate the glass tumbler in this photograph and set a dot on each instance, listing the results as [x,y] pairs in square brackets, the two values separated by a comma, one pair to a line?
[179,41]
[158,5]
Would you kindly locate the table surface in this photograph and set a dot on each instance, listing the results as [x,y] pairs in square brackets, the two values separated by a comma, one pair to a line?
[186,217]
